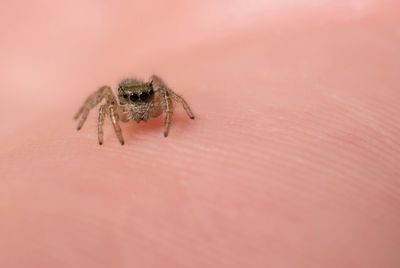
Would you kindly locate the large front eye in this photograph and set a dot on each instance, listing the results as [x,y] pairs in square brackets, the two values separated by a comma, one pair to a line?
[144,96]
[134,97]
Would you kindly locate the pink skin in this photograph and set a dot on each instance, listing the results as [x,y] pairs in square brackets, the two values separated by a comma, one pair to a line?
[292,161]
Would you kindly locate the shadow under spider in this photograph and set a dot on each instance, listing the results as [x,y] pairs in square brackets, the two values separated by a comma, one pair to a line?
[156,126]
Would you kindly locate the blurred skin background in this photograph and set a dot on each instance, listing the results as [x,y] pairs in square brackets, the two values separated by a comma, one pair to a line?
[292,161]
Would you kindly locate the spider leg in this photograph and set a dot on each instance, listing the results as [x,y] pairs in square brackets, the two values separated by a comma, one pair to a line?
[110,110]
[100,122]
[91,102]
[83,119]
[182,101]
[78,114]
[115,121]
[169,110]
[159,83]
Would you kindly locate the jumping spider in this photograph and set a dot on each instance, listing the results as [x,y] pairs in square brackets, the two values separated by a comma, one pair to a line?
[137,100]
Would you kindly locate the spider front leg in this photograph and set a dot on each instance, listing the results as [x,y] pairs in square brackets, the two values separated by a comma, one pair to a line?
[169,110]
[92,101]
[182,101]
[112,111]
[114,115]
[159,83]
[100,122]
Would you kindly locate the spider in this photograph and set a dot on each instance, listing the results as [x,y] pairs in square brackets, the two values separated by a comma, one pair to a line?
[137,100]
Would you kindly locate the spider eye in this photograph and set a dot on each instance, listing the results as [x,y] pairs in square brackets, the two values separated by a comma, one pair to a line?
[125,96]
[144,96]
[151,92]
[134,97]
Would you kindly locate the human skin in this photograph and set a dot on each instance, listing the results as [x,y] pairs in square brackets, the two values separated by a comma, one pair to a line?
[292,160]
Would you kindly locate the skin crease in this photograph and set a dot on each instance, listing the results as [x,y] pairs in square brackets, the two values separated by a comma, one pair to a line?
[292,161]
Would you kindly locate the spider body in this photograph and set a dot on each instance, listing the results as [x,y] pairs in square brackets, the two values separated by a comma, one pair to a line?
[136,100]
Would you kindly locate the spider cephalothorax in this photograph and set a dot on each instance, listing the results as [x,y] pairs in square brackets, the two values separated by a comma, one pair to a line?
[137,100]
[134,91]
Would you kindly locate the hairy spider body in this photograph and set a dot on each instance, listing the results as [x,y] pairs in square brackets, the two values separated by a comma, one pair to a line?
[136,100]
